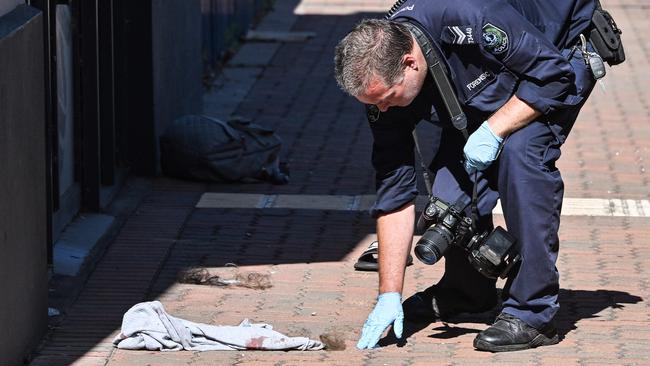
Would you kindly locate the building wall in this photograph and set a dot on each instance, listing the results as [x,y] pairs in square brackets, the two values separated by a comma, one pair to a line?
[65,102]
[8,5]
[23,262]
[177,66]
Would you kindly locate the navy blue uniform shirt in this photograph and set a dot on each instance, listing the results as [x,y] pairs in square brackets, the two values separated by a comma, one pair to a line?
[493,49]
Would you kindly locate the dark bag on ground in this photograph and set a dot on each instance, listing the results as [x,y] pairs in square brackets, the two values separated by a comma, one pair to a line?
[208,149]
[606,36]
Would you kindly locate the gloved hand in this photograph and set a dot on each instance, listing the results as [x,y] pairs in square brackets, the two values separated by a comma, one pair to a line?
[481,148]
[387,311]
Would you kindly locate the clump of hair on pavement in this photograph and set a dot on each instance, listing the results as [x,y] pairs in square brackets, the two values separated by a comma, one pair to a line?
[254,280]
[195,276]
[334,341]
[201,276]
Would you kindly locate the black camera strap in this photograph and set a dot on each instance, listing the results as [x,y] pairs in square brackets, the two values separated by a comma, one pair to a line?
[425,171]
[458,119]
[438,71]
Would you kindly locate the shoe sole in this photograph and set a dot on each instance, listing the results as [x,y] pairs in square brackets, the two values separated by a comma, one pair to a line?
[540,340]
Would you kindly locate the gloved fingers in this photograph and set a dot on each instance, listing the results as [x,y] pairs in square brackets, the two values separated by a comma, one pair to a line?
[387,309]
[472,165]
[481,149]
[482,166]
[369,337]
[398,325]
[469,166]
[363,340]
[374,335]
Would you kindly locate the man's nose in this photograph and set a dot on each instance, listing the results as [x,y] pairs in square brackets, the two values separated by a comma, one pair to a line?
[383,107]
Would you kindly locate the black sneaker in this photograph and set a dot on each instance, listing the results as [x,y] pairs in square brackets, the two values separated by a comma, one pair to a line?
[434,304]
[509,333]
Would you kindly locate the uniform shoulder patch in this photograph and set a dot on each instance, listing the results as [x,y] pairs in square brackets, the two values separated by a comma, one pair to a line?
[495,39]
[458,34]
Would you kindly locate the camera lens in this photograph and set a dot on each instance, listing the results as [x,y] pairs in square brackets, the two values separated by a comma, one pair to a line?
[433,244]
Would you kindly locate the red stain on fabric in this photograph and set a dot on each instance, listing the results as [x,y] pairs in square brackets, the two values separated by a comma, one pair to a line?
[255,343]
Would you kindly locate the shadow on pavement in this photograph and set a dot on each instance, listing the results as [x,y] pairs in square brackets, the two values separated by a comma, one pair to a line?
[575,305]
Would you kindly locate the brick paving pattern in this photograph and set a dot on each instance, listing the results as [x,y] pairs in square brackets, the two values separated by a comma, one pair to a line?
[604,318]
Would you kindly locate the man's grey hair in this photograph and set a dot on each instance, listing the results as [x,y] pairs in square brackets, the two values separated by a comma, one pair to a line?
[374,48]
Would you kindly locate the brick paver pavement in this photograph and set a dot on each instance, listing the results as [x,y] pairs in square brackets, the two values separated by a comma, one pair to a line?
[604,261]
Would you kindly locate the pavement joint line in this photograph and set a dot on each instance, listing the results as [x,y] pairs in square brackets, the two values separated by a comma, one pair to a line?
[354,204]
[571,206]
[267,201]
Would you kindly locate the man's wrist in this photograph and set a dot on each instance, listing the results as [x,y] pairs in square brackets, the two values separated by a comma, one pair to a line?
[392,294]
[388,288]
[497,129]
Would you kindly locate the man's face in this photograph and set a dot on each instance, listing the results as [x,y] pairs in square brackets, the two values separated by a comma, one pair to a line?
[402,93]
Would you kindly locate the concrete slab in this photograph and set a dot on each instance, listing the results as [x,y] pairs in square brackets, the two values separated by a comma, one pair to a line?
[601,207]
[228,91]
[254,55]
[278,36]
[282,18]
[321,202]
[227,200]
[319,7]
[77,241]
[571,206]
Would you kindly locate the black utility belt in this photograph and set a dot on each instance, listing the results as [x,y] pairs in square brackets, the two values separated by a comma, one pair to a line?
[605,36]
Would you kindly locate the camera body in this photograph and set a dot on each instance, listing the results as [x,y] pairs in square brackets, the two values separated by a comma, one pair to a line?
[493,254]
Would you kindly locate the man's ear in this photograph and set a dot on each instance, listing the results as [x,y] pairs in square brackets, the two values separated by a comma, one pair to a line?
[410,62]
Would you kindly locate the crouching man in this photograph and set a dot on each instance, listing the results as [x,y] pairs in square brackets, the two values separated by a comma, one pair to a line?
[518,70]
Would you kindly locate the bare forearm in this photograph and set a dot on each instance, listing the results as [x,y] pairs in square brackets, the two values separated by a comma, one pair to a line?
[395,234]
[512,116]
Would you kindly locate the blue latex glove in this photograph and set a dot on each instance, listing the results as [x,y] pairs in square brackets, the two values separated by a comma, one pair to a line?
[482,148]
[387,311]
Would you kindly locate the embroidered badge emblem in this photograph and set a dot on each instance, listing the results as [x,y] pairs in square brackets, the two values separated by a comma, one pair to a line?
[495,39]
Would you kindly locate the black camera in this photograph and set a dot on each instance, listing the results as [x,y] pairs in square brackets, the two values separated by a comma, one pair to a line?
[492,254]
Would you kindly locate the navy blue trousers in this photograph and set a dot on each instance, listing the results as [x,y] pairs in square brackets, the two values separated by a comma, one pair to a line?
[530,187]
